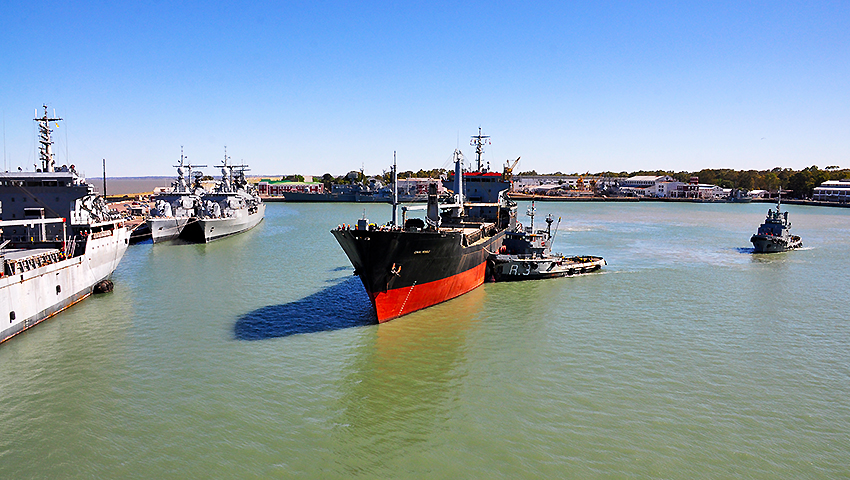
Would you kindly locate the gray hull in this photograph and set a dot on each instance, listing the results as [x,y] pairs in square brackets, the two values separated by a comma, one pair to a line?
[773,244]
[164,229]
[205,230]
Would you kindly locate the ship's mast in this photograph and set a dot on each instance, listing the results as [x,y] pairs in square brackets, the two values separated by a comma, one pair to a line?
[226,172]
[182,185]
[44,131]
[478,141]
[395,192]
[458,186]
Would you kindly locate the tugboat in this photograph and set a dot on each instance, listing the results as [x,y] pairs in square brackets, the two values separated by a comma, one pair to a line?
[774,235]
[174,209]
[59,243]
[419,263]
[234,206]
[527,255]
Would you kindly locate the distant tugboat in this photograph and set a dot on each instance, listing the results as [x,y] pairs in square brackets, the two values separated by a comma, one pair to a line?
[774,235]
[527,255]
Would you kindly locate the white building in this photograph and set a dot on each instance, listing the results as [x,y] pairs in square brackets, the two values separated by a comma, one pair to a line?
[644,181]
[527,182]
[418,186]
[663,189]
[647,185]
[833,191]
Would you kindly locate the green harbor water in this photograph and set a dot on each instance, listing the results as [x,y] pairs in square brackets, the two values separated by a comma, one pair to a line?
[257,356]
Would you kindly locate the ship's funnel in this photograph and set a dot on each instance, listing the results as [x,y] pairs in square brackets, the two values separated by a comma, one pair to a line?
[433,213]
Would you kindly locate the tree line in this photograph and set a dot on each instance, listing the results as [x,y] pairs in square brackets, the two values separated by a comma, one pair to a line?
[798,183]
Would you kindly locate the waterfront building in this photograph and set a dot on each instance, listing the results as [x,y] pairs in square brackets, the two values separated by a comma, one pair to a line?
[664,189]
[644,185]
[563,184]
[527,183]
[272,188]
[644,181]
[833,191]
[699,191]
[418,186]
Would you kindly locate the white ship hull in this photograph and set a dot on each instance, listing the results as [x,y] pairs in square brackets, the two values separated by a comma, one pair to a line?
[164,229]
[205,230]
[31,296]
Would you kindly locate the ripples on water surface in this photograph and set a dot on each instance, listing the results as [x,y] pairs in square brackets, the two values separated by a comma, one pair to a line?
[257,356]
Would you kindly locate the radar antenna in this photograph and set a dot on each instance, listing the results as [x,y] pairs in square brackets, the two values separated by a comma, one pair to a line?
[478,141]
[181,184]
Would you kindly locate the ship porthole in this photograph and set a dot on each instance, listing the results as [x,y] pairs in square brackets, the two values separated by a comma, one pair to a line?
[11,317]
[58,289]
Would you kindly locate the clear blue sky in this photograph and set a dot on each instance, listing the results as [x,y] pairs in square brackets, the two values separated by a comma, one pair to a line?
[333,86]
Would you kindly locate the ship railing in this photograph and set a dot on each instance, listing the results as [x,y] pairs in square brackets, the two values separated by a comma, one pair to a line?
[70,246]
[16,266]
[473,237]
[101,234]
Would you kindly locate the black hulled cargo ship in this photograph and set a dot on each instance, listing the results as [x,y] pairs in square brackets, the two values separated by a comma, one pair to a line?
[422,262]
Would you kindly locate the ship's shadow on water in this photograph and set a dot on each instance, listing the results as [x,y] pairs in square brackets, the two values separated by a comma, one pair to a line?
[342,305]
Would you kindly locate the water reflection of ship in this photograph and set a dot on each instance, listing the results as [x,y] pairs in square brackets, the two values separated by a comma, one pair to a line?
[403,386]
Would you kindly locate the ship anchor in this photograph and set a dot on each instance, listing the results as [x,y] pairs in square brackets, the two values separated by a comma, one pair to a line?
[395,270]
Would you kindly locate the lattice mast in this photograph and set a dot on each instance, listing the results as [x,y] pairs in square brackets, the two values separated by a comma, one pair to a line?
[45,149]
[478,141]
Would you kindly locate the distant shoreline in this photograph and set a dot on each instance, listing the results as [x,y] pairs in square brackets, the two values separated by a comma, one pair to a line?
[790,201]
[126,187]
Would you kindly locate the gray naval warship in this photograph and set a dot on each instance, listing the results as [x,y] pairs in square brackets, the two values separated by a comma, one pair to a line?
[59,243]
[173,209]
[774,235]
[526,254]
[232,207]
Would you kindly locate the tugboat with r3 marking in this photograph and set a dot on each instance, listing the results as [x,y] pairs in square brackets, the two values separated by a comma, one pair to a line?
[527,255]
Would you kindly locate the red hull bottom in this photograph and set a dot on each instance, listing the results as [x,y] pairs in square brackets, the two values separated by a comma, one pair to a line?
[401,301]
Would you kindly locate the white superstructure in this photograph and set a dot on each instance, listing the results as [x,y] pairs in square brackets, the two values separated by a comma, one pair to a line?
[58,241]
